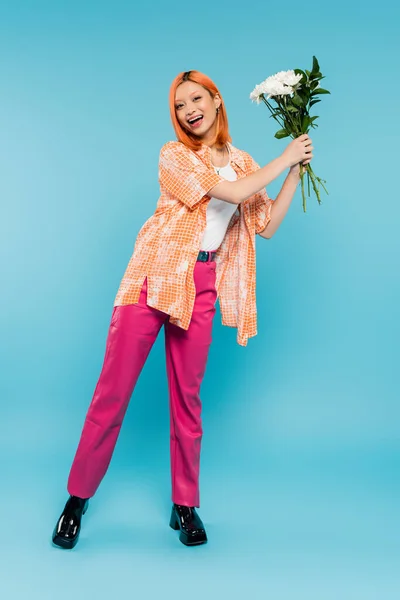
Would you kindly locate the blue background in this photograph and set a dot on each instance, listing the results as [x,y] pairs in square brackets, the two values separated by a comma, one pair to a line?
[299,473]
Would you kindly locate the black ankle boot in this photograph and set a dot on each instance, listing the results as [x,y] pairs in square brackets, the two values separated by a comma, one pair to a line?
[191,526]
[68,526]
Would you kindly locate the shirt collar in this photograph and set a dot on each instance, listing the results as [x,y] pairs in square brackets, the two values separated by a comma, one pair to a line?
[236,156]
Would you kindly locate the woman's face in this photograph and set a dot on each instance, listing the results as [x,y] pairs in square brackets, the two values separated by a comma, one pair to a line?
[192,100]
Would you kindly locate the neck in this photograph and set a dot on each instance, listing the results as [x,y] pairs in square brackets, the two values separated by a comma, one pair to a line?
[209,136]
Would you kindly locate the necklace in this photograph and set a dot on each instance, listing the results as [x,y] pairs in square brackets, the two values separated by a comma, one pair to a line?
[219,168]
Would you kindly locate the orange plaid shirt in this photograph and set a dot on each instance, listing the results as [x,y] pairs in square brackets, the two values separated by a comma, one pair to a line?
[168,243]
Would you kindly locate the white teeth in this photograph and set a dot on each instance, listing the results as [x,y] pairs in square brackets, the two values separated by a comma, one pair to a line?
[196,119]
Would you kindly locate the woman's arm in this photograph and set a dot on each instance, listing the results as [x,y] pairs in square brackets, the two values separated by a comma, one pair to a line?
[282,202]
[237,191]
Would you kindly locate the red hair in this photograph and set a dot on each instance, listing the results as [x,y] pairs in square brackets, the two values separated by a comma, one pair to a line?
[193,142]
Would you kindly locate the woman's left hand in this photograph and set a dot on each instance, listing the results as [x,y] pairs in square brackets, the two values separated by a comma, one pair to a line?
[295,169]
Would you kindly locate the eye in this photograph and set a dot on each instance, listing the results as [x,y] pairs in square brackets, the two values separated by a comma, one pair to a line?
[195,98]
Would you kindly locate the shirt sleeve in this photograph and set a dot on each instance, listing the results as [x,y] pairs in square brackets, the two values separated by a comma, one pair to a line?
[263,203]
[184,175]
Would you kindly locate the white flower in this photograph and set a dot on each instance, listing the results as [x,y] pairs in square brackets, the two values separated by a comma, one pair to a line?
[271,87]
[288,77]
[280,84]
[255,95]
[274,87]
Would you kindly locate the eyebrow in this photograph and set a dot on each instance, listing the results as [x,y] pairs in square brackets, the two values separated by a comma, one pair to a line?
[191,94]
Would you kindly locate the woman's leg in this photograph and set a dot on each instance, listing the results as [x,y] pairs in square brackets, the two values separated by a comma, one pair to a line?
[186,358]
[132,333]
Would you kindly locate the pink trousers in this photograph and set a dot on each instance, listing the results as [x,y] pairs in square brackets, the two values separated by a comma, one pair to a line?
[132,332]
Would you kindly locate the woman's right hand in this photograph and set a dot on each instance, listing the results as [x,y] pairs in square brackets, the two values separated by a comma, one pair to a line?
[298,150]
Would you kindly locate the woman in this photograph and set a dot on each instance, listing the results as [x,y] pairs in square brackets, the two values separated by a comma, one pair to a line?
[198,246]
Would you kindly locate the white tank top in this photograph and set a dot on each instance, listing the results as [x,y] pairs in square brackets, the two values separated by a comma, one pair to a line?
[219,213]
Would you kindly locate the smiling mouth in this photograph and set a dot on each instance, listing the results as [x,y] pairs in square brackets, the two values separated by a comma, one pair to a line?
[195,121]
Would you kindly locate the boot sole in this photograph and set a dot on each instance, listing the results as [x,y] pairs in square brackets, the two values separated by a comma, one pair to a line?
[63,543]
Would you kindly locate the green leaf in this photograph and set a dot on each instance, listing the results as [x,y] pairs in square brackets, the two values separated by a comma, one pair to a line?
[315,65]
[308,73]
[319,91]
[314,84]
[304,96]
[305,123]
[292,108]
[315,76]
[313,119]
[303,91]
[297,100]
[282,133]
[314,102]
[300,72]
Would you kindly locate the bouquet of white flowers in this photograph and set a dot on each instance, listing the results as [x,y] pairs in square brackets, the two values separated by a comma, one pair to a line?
[294,93]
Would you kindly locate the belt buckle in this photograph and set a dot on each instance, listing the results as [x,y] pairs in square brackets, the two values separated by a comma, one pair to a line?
[203,255]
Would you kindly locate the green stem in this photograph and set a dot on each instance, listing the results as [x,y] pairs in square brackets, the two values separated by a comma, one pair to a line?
[293,125]
[320,181]
[313,182]
[272,111]
[302,187]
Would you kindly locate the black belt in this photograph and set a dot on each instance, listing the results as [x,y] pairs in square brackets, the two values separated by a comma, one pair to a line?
[205,255]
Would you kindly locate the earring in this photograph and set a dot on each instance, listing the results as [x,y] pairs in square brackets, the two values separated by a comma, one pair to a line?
[218,110]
